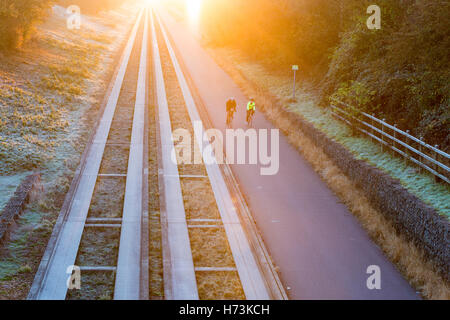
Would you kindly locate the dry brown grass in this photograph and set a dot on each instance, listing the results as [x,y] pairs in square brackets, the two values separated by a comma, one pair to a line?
[409,259]
[224,285]
[55,45]
[199,201]
[210,247]
[155,256]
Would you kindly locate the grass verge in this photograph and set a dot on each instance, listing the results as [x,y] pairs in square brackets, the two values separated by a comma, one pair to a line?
[50,94]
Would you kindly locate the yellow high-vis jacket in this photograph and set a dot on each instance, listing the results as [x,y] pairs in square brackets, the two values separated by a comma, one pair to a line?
[251,106]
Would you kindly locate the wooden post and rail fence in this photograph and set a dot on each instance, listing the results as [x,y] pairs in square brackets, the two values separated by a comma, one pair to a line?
[425,156]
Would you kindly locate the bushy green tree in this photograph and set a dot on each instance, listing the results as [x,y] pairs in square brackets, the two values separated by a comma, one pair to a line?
[17,20]
[404,65]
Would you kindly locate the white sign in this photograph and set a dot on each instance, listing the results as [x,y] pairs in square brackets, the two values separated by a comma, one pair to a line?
[295,67]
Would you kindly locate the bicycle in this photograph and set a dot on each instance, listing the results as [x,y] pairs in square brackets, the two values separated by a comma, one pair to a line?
[250,114]
[230,116]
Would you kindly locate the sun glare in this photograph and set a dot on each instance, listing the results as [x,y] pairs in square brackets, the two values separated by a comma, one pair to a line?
[152,2]
[193,10]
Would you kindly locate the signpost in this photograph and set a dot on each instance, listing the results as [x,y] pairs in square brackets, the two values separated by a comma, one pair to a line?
[295,68]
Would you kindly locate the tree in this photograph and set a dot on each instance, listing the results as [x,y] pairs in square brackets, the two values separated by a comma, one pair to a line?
[18,19]
[404,65]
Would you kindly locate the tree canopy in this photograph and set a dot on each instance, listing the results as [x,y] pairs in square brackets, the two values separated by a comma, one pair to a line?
[400,72]
[17,20]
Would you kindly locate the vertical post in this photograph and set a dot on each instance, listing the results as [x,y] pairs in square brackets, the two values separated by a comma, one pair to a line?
[294,68]
[382,135]
[421,158]
[293,94]
[406,149]
[436,178]
[373,125]
[395,136]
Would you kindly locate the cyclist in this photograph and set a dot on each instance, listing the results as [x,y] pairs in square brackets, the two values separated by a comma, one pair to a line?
[231,109]
[251,108]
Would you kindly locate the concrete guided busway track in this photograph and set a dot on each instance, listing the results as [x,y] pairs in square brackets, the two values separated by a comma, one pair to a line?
[77,217]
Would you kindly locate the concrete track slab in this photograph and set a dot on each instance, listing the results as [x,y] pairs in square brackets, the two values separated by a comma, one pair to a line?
[183,285]
[128,276]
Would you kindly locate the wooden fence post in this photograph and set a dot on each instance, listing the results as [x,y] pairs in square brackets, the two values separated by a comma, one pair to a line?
[395,137]
[421,158]
[373,125]
[436,178]
[406,149]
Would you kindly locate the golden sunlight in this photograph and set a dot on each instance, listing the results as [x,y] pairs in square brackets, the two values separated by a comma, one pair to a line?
[193,8]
